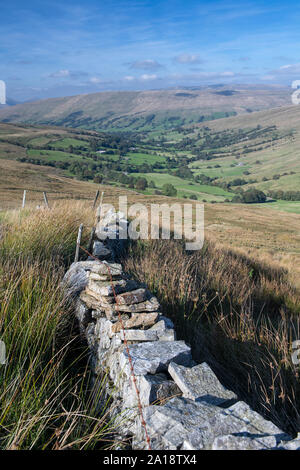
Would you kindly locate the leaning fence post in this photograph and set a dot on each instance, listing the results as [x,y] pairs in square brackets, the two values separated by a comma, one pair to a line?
[24,199]
[78,243]
[90,243]
[95,200]
[46,199]
[99,208]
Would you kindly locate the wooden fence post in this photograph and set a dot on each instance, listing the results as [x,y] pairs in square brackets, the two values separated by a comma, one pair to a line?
[99,208]
[24,199]
[95,200]
[46,199]
[90,243]
[78,242]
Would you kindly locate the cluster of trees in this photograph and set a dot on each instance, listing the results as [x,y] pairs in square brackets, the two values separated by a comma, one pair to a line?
[64,165]
[249,196]
[184,172]
[169,190]
[284,195]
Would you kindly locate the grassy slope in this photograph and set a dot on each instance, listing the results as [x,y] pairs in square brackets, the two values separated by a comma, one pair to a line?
[129,110]
[283,157]
[46,397]
[238,315]
[253,230]
[203,191]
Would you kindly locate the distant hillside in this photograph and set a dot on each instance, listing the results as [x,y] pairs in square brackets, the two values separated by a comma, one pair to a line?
[148,110]
[267,152]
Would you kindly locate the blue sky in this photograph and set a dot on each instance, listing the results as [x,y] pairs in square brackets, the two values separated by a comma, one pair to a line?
[52,48]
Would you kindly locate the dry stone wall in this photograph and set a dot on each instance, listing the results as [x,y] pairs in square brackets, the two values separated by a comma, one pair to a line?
[184,404]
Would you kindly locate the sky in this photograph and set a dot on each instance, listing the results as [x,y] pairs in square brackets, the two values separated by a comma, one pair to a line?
[52,48]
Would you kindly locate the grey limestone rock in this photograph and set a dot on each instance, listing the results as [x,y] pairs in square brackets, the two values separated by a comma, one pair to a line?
[139,335]
[107,288]
[239,420]
[200,382]
[155,357]
[233,442]
[293,444]
[150,305]
[138,320]
[170,425]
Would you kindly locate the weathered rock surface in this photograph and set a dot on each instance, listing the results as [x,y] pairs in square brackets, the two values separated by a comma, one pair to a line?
[200,382]
[155,357]
[103,289]
[135,297]
[170,425]
[138,320]
[291,445]
[150,305]
[139,335]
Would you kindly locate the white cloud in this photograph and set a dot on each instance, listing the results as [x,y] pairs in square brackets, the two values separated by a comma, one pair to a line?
[188,59]
[65,73]
[286,72]
[148,64]
[95,80]
[145,76]
[129,78]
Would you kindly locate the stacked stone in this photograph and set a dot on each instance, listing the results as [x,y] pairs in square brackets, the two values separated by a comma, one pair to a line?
[184,404]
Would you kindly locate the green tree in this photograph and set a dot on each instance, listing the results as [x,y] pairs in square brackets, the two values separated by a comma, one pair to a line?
[169,190]
[141,184]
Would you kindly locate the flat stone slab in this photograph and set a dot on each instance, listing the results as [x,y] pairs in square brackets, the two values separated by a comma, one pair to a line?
[200,382]
[90,301]
[104,301]
[170,425]
[139,335]
[135,297]
[153,357]
[165,329]
[150,305]
[237,421]
[230,442]
[98,267]
[103,288]
[188,425]
[138,320]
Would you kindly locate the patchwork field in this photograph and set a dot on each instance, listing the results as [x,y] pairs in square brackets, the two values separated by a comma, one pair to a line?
[256,230]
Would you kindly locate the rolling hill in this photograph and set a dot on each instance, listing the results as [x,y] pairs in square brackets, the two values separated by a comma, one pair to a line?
[271,159]
[148,110]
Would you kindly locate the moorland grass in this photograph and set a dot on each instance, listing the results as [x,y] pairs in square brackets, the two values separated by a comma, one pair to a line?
[46,398]
[239,314]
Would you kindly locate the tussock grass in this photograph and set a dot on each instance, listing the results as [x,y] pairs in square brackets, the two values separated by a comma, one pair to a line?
[46,397]
[239,314]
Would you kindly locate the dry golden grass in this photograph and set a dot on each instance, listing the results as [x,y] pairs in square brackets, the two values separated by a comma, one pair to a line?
[259,232]
[46,397]
[239,315]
